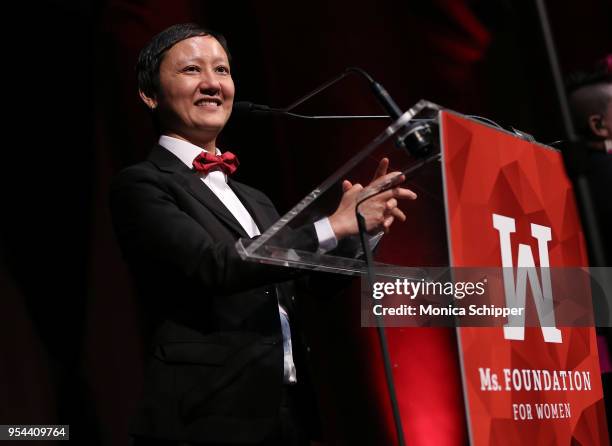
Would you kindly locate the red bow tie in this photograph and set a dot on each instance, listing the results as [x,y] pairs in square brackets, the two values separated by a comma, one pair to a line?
[206,162]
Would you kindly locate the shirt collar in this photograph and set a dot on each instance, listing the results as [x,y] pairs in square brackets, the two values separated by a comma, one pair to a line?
[183,150]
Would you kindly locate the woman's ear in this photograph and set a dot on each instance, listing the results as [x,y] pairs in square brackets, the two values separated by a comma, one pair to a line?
[149,101]
[598,126]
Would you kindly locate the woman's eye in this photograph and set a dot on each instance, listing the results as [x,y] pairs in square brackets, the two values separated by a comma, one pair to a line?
[223,69]
[191,68]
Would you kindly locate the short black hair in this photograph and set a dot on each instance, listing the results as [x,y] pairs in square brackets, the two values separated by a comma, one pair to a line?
[151,56]
[587,94]
[600,73]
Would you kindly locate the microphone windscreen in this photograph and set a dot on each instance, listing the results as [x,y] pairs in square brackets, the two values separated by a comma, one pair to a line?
[243,107]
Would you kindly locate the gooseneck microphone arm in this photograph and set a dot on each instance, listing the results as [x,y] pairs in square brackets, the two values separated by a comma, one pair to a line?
[379,91]
[325,86]
[381,94]
[243,106]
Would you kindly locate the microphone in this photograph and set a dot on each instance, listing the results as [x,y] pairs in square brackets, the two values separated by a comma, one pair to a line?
[417,140]
[248,107]
[243,107]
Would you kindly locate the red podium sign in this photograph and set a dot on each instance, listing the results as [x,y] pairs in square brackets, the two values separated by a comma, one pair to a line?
[509,203]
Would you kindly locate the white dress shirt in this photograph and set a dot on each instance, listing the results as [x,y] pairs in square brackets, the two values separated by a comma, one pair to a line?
[216,180]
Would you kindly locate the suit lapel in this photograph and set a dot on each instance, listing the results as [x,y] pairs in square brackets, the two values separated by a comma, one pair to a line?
[166,161]
[261,213]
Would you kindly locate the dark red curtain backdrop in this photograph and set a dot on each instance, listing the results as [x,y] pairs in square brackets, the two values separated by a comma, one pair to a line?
[69,327]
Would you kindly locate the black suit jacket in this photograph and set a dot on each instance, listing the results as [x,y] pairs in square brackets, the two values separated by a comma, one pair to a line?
[215,364]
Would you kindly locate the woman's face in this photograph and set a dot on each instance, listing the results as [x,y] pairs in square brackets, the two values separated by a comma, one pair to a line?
[196,90]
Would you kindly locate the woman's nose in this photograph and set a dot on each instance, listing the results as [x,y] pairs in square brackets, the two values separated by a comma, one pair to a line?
[209,84]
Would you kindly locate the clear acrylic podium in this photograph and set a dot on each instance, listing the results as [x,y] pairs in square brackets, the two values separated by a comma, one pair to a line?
[423,175]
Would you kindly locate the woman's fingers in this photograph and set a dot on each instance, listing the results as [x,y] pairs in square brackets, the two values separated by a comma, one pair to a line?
[391,178]
[387,224]
[398,213]
[391,203]
[400,193]
[381,169]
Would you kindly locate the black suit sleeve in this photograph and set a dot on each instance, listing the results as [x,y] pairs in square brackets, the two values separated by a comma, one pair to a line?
[153,230]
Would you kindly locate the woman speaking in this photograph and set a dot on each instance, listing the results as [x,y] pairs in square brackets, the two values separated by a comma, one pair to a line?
[226,362]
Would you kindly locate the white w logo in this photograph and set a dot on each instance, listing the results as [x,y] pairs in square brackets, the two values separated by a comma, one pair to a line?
[516,291]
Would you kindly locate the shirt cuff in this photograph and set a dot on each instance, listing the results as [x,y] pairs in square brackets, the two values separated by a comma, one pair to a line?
[325,235]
